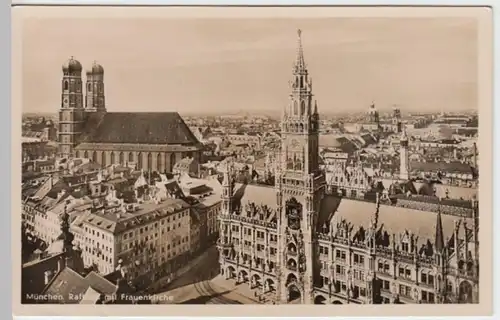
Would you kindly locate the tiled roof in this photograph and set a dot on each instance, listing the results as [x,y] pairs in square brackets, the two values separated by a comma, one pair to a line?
[139,128]
[259,194]
[66,284]
[99,283]
[421,223]
[71,286]
[33,275]
[119,221]
[435,200]
[452,167]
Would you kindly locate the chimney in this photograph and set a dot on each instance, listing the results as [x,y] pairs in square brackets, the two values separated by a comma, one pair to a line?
[48,277]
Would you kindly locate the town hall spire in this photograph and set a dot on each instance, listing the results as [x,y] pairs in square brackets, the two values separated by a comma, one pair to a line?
[300,65]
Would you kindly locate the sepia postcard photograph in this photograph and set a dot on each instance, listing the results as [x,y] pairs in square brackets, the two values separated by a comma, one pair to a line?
[170,160]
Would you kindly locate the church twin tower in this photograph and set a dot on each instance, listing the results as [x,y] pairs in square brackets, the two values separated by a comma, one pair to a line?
[73,113]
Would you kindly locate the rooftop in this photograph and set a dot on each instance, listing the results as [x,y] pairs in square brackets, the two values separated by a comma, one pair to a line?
[116,220]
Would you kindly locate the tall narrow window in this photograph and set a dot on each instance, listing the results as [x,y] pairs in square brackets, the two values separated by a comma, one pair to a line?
[139,160]
[103,159]
[89,87]
[66,85]
[172,161]
[302,108]
[295,108]
[120,158]
[158,162]
[150,161]
[112,157]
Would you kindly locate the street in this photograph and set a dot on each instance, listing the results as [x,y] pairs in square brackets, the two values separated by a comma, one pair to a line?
[202,285]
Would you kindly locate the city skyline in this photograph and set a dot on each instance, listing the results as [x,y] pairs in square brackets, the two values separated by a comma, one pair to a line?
[354,62]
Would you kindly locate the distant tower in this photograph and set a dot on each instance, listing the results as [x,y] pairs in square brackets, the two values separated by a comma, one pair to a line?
[396,120]
[94,99]
[373,115]
[404,172]
[72,113]
[227,189]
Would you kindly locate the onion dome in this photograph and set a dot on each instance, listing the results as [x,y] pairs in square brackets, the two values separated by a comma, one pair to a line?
[97,68]
[72,65]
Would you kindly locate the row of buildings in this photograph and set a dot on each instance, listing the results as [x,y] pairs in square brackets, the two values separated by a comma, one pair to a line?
[146,224]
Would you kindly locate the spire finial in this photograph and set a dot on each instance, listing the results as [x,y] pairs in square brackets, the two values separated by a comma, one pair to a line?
[300,64]
[439,238]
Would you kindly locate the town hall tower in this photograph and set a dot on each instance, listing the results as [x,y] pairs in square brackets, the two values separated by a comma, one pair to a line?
[299,187]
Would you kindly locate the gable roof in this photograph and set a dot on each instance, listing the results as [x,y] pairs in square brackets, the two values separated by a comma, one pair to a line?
[72,287]
[421,223]
[138,128]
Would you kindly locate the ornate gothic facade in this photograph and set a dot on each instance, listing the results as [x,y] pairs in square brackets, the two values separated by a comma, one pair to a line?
[296,243]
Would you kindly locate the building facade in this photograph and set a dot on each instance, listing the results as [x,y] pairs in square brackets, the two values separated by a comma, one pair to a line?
[296,243]
[143,238]
[151,141]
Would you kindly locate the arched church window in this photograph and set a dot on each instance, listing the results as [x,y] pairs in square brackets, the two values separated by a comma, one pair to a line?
[295,108]
[158,162]
[302,108]
[66,85]
[94,157]
[139,160]
[172,161]
[112,157]
[89,87]
[103,159]
[301,82]
[130,157]
[150,161]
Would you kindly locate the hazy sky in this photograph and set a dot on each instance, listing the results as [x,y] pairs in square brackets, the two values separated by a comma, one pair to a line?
[227,65]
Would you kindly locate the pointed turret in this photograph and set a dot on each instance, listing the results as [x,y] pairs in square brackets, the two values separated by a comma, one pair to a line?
[404,135]
[404,170]
[227,188]
[66,235]
[439,239]
[300,64]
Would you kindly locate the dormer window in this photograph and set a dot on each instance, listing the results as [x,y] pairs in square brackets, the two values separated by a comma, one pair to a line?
[405,247]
